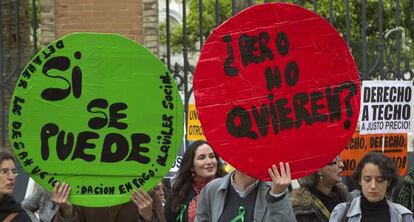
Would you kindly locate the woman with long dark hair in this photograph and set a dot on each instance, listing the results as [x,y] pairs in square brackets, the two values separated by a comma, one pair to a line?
[199,165]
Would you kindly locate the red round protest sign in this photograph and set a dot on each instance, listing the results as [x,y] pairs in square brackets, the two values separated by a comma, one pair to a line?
[276,82]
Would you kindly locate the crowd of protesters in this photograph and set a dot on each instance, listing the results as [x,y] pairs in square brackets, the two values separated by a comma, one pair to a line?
[203,191]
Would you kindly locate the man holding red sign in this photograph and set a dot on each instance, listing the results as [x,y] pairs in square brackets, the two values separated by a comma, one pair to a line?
[239,197]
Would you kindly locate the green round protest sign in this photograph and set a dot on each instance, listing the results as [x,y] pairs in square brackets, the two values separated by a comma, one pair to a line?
[100,112]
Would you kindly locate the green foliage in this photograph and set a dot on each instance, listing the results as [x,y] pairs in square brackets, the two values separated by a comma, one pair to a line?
[375,41]
[209,22]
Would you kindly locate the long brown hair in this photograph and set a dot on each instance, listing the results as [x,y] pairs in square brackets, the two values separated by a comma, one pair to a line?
[183,182]
[157,203]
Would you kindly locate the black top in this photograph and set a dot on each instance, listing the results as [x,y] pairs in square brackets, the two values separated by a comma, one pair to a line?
[170,215]
[374,212]
[8,205]
[232,207]
[331,200]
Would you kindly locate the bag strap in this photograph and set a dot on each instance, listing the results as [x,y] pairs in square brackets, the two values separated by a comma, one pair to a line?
[345,218]
[10,217]
[321,207]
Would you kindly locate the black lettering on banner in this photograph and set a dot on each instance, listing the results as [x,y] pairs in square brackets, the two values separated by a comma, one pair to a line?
[137,150]
[273,79]
[228,69]
[121,148]
[114,114]
[352,90]
[284,115]
[365,113]
[64,147]
[17,107]
[282,43]
[48,130]
[244,128]
[97,122]
[167,102]
[28,162]
[248,49]
[18,145]
[165,139]
[316,116]
[302,114]
[402,161]
[349,165]
[356,143]
[262,119]
[16,133]
[292,73]
[37,170]
[379,94]
[97,190]
[285,121]
[82,144]
[62,63]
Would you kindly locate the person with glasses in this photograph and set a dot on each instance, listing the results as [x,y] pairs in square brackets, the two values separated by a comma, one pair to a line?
[319,193]
[376,176]
[10,210]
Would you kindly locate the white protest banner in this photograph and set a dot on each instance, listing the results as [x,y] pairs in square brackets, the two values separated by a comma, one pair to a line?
[386,107]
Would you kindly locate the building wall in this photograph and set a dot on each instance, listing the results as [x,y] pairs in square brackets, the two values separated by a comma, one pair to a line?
[135,19]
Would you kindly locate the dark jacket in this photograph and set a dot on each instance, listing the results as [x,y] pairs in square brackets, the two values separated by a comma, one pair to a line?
[127,212]
[171,216]
[8,205]
[305,208]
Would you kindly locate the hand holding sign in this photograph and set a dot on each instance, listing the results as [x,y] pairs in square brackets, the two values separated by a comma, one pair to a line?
[277,83]
[60,196]
[280,181]
[143,201]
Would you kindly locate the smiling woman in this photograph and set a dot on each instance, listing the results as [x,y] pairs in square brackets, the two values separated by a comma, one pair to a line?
[200,165]
[10,210]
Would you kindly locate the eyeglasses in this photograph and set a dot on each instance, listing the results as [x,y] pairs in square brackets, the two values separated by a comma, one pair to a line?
[6,171]
[336,161]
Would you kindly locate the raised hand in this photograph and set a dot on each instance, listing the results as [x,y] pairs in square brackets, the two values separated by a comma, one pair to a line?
[143,201]
[280,181]
[60,196]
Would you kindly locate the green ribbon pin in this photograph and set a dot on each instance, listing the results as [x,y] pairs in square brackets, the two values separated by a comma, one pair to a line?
[240,215]
[180,217]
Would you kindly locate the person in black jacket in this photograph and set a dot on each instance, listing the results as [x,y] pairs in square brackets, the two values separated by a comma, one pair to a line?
[10,210]
[199,166]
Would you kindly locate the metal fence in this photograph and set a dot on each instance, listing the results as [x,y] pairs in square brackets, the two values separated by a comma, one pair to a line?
[379,33]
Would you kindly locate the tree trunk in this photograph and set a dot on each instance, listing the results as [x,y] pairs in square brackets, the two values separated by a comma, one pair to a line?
[15,50]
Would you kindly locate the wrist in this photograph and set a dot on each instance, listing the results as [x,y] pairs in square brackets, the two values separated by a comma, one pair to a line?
[67,210]
[148,217]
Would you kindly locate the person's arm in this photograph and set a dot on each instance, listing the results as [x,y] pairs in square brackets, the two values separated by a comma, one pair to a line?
[338,213]
[144,202]
[278,200]
[60,196]
[169,215]
[31,204]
